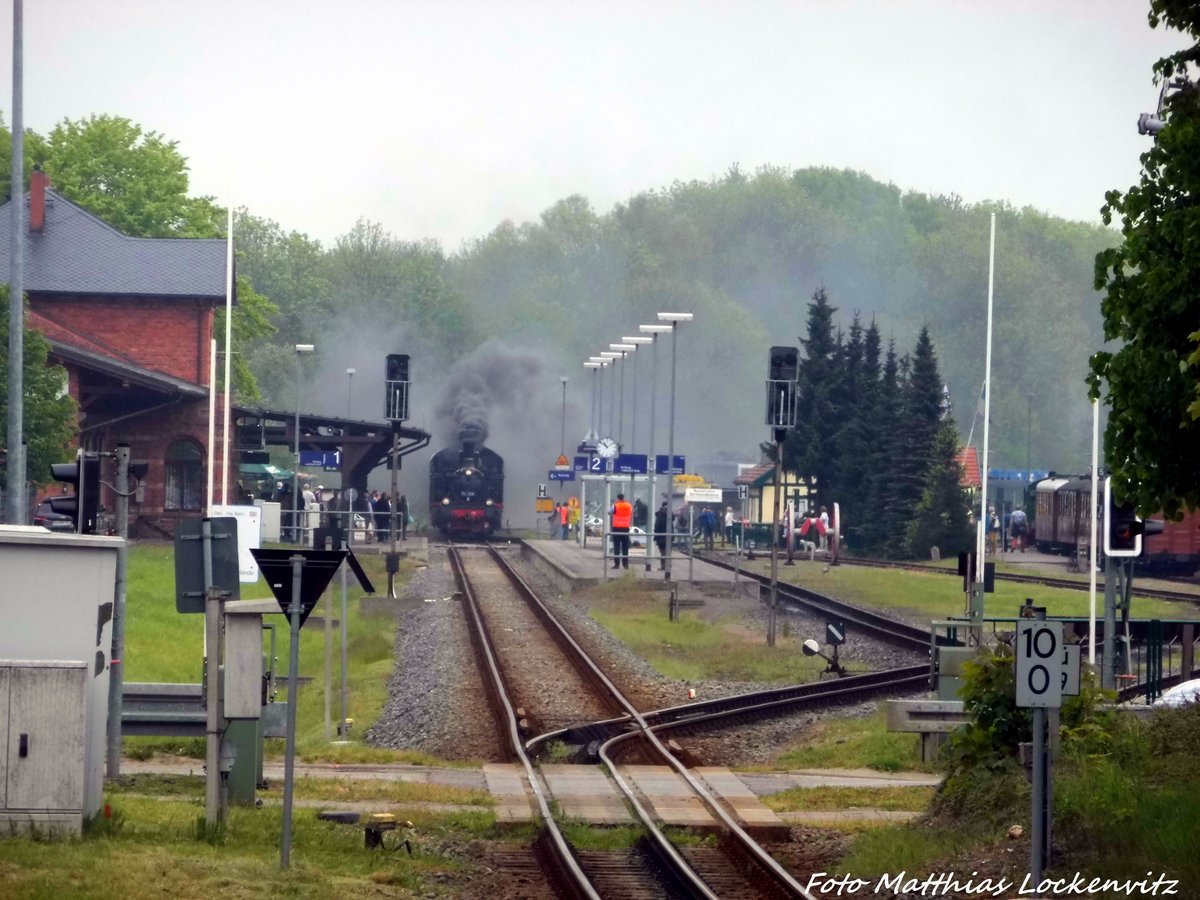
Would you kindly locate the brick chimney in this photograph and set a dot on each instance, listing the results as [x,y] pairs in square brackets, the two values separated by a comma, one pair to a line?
[38,182]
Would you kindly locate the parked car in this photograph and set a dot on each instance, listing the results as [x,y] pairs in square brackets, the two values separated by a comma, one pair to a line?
[1180,695]
[48,518]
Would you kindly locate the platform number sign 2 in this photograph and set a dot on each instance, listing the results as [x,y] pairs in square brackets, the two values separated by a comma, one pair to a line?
[1040,666]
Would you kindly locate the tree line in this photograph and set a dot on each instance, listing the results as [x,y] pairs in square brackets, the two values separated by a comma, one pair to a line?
[875,433]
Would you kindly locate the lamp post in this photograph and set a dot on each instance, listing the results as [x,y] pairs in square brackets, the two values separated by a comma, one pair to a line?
[654,331]
[350,373]
[636,341]
[595,367]
[611,356]
[624,350]
[674,319]
[602,362]
[297,535]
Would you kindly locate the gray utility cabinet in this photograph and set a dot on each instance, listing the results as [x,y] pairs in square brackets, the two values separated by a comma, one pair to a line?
[56,603]
[43,715]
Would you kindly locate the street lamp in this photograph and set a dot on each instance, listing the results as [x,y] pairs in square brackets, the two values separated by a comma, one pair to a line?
[624,350]
[297,535]
[673,318]
[654,331]
[350,373]
[602,362]
[562,440]
[592,435]
[610,357]
[637,341]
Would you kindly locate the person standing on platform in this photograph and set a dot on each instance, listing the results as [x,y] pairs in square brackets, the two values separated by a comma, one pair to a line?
[729,525]
[383,518]
[1018,525]
[660,534]
[402,516]
[708,524]
[622,519]
[564,520]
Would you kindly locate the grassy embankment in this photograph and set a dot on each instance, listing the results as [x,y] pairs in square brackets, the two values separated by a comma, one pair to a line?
[163,645]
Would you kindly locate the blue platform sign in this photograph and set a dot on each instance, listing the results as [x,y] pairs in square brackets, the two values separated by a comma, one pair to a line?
[326,459]
[580,463]
[631,464]
[660,464]
[562,475]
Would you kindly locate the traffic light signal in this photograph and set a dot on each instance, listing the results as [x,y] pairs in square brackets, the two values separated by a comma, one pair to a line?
[782,365]
[396,387]
[84,473]
[397,367]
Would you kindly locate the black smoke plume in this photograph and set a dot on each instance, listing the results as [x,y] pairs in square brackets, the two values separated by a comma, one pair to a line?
[492,382]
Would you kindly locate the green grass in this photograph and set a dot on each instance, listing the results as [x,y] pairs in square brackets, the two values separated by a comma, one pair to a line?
[912,798]
[902,848]
[693,650]
[153,851]
[164,645]
[392,791]
[937,596]
[855,743]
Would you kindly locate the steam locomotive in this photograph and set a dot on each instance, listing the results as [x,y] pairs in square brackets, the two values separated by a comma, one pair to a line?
[466,490]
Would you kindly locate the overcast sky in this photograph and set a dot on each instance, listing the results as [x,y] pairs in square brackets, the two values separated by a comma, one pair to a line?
[442,118]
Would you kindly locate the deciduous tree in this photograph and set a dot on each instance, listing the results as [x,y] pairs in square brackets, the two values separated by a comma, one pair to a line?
[1151,381]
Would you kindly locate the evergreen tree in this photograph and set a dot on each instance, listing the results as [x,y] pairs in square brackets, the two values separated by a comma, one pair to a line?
[921,416]
[852,440]
[940,518]
[863,530]
[808,450]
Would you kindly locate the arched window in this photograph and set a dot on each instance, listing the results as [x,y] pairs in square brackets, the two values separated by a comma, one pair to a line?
[185,475]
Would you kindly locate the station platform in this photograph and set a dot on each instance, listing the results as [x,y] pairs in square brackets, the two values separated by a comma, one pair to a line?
[572,567]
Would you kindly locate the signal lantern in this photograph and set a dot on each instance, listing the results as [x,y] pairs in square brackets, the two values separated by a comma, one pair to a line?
[84,506]
[782,369]
[396,387]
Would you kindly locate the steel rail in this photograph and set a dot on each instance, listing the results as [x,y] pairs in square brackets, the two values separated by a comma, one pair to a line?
[893,631]
[560,850]
[767,865]
[754,703]
[1017,578]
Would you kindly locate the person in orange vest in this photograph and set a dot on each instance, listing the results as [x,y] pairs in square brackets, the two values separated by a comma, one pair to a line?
[564,519]
[622,518]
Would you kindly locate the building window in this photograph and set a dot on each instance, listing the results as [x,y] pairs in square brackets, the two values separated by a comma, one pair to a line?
[185,475]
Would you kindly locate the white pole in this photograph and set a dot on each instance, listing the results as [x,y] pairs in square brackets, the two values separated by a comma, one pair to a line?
[212,415]
[1092,542]
[228,355]
[981,525]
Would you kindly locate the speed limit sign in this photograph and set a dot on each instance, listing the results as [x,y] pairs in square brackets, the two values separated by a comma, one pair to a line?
[1039,663]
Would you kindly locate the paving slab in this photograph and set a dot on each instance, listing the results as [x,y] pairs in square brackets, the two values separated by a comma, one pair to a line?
[667,794]
[506,783]
[586,793]
[743,802]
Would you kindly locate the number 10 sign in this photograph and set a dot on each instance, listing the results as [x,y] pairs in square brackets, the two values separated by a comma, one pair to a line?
[1039,663]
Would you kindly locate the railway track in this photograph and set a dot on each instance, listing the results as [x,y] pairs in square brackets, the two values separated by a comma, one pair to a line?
[654,867]
[867,621]
[1070,584]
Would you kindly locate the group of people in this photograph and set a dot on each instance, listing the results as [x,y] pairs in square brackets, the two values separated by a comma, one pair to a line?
[1008,534]
[379,515]
[563,518]
[623,514]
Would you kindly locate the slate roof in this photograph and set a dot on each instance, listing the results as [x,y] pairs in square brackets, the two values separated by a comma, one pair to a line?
[77,253]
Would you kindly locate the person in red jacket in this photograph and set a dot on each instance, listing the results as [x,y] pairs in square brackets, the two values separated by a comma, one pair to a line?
[622,519]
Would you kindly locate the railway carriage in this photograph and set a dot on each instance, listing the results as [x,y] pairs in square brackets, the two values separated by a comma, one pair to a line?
[1063,525]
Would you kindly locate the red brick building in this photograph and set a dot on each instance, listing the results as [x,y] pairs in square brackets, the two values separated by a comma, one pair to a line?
[131,321]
